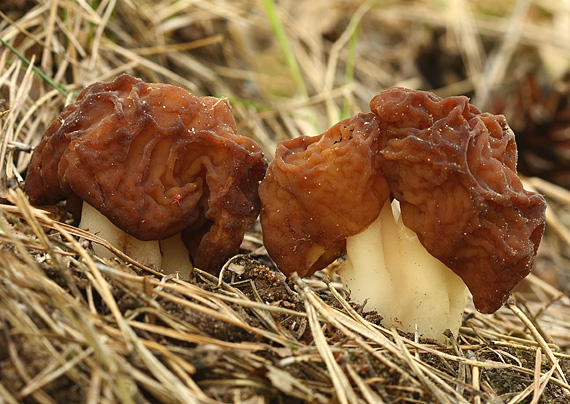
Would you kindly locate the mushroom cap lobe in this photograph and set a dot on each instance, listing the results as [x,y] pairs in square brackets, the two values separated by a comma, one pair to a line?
[453,169]
[320,190]
[156,160]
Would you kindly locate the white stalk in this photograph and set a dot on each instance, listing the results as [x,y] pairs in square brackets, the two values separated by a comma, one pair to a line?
[175,257]
[388,266]
[170,255]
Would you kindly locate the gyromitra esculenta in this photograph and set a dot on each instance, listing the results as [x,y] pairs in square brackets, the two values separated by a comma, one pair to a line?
[463,216]
[159,172]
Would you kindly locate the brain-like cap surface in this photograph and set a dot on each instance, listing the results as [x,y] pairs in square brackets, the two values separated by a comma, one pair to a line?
[452,168]
[156,160]
[320,190]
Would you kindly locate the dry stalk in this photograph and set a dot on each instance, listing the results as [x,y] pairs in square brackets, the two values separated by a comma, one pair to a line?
[76,327]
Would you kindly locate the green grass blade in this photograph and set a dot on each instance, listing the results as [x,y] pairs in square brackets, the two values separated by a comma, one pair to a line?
[285,45]
[64,91]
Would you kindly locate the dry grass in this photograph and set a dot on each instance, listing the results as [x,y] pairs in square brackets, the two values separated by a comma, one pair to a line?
[75,328]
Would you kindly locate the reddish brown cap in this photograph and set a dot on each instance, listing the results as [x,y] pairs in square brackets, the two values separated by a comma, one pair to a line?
[155,160]
[453,169]
[320,190]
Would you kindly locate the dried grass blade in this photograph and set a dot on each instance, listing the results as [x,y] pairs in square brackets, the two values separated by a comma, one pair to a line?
[6,397]
[411,361]
[234,319]
[21,201]
[108,9]
[180,393]
[130,339]
[345,324]
[93,395]
[366,329]
[547,377]
[544,379]
[476,382]
[369,395]
[181,369]
[193,338]
[50,374]
[191,291]
[537,373]
[286,383]
[336,48]
[19,244]
[343,389]
[542,343]
[556,223]
[179,46]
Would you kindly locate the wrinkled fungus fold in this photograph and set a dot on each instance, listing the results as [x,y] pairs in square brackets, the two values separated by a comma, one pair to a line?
[452,169]
[156,161]
[315,195]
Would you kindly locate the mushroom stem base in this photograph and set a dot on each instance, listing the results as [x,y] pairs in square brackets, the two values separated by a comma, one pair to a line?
[387,266]
[170,255]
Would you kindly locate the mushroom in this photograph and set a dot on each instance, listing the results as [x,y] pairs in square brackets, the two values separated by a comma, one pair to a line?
[154,169]
[310,192]
[460,216]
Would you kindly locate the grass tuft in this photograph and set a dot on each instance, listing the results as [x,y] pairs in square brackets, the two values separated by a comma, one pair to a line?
[78,328]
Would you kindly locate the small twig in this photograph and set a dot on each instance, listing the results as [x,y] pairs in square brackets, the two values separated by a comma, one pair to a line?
[542,343]
[476,383]
[344,391]
[418,372]
[537,372]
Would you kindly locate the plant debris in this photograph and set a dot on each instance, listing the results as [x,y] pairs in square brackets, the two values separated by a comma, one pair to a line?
[75,327]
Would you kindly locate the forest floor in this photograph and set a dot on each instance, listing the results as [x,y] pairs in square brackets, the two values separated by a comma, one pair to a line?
[78,328]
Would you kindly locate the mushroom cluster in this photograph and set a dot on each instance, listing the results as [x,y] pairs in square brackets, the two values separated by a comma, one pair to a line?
[460,214]
[421,194]
[155,170]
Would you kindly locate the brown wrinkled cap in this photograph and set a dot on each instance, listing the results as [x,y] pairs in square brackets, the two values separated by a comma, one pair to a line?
[320,190]
[453,169]
[155,160]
